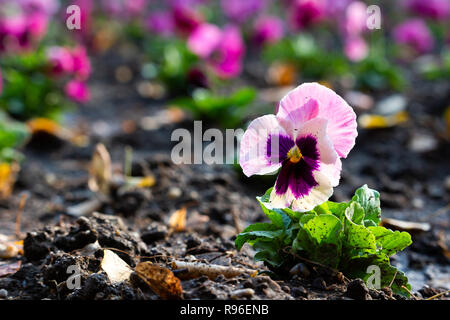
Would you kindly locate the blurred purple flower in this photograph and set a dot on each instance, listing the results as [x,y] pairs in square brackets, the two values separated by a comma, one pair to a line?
[160,22]
[304,13]
[77,91]
[434,9]
[186,19]
[355,48]
[414,33]
[124,8]
[49,7]
[241,10]
[268,29]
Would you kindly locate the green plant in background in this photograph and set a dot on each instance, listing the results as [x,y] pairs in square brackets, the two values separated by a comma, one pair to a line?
[227,110]
[28,91]
[344,236]
[13,134]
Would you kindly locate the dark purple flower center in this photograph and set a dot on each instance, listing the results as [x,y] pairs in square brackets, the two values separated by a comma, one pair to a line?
[297,166]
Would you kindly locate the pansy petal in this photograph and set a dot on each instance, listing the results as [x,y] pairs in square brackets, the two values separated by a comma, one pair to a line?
[293,120]
[318,129]
[254,147]
[317,195]
[341,118]
[332,171]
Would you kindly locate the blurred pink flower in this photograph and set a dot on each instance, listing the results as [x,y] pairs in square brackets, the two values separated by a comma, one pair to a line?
[160,22]
[49,7]
[60,59]
[312,130]
[355,18]
[37,24]
[414,33]
[241,10]
[434,9]
[268,29]
[304,13]
[204,39]
[355,48]
[223,49]
[78,91]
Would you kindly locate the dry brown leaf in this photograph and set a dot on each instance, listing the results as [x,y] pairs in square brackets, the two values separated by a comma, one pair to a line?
[8,175]
[116,269]
[9,268]
[177,221]
[100,170]
[405,225]
[197,269]
[162,281]
[281,74]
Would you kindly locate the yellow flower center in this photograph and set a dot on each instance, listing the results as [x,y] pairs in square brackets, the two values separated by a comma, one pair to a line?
[295,155]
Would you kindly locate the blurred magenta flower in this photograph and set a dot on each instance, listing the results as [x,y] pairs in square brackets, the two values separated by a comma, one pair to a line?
[186,18]
[355,48]
[81,63]
[355,18]
[414,33]
[223,49]
[60,60]
[304,13]
[434,9]
[241,10]
[312,130]
[204,39]
[268,29]
[161,23]
[78,91]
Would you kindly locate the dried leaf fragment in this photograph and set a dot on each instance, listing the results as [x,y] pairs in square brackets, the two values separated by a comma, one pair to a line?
[198,269]
[374,121]
[162,281]
[9,268]
[116,269]
[8,174]
[100,170]
[406,225]
[177,220]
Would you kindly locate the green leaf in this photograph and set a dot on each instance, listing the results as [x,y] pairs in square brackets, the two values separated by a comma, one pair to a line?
[256,231]
[369,200]
[320,238]
[390,242]
[358,240]
[355,213]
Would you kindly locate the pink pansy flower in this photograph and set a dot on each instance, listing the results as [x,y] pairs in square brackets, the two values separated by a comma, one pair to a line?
[313,128]
[415,33]
[77,91]
[355,48]
[268,29]
[434,9]
[304,13]
[223,49]
[241,10]
[60,59]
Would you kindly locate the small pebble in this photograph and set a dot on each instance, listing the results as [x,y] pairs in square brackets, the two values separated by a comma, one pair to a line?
[242,293]
[174,193]
[3,293]
[300,269]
